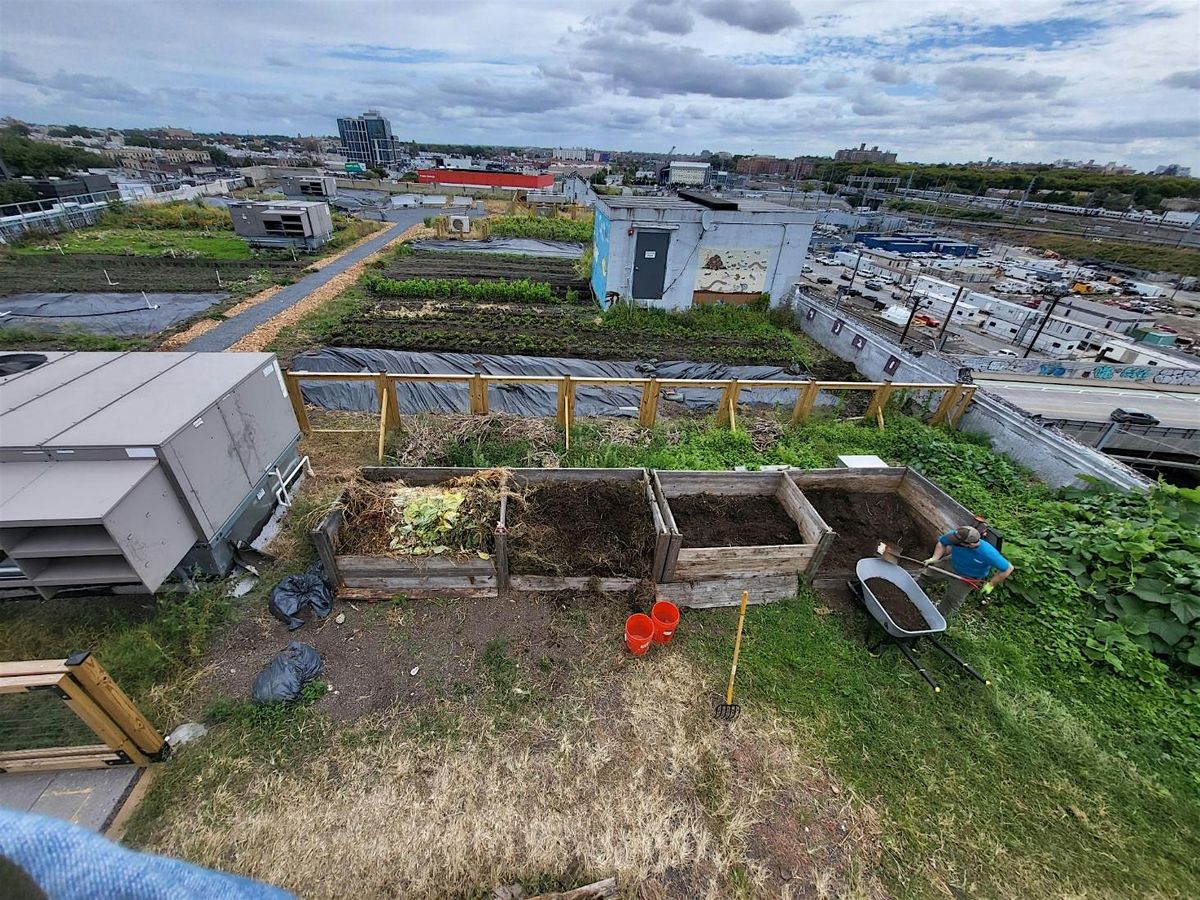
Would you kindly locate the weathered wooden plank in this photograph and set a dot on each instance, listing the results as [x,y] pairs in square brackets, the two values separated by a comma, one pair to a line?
[681,483]
[827,539]
[728,591]
[355,567]
[810,525]
[18,684]
[597,890]
[535,476]
[32,667]
[547,583]
[297,400]
[106,694]
[103,760]
[716,561]
[324,538]
[384,592]
[866,481]
[61,752]
[936,509]
[648,404]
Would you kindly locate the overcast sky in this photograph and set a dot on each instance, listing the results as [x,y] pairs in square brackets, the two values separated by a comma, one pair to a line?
[933,80]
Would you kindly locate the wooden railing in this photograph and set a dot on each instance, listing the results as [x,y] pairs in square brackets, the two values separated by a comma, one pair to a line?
[87,690]
[955,397]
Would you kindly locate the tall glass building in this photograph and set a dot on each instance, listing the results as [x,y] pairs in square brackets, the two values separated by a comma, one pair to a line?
[368,139]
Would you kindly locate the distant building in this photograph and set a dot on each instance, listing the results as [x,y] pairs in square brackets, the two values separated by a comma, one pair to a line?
[292,223]
[873,182]
[80,185]
[482,178]
[688,173]
[368,139]
[916,242]
[151,157]
[763,165]
[579,153]
[862,154]
[696,249]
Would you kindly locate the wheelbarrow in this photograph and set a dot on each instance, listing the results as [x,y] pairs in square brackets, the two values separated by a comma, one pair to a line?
[894,633]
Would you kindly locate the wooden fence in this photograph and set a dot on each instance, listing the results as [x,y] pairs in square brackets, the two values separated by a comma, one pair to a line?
[82,684]
[955,397]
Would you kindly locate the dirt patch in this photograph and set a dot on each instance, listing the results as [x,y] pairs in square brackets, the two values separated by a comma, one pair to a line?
[897,604]
[528,647]
[714,520]
[600,528]
[862,520]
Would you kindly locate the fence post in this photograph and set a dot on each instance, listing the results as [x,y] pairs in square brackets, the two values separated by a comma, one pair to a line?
[99,721]
[966,394]
[948,400]
[114,701]
[566,394]
[878,402]
[383,414]
[727,414]
[648,408]
[293,386]
[804,403]
[478,395]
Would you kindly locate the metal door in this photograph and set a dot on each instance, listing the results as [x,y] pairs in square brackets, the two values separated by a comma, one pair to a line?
[650,264]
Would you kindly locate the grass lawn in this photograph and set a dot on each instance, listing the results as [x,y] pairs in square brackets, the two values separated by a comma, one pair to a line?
[452,746]
[212,244]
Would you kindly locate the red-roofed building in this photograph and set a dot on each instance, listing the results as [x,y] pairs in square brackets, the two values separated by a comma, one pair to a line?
[481,178]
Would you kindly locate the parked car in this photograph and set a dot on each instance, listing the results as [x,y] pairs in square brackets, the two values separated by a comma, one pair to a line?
[929,321]
[854,292]
[806,270]
[824,280]
[874,286]
[1004,353]
[1132,417]
[847,276]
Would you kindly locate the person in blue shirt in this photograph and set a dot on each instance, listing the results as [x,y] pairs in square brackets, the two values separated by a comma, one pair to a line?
[969,557]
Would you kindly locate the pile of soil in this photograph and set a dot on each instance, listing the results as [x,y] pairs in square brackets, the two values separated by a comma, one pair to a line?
[862,520]
[716,520]
[600,528]
[902,610]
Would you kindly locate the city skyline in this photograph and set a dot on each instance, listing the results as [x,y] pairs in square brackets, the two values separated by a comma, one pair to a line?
[1038,80]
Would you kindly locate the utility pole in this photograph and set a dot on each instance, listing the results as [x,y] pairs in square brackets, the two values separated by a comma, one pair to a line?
[1053,303]
[941,339]
[1025,197]
[911,315]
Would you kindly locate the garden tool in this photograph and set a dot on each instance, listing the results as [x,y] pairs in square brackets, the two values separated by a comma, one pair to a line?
[890,554]
[729,711]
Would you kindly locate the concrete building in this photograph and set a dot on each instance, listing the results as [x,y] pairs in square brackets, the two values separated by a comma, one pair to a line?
[368,139]
[308,187]
[862,154]
[291,223]
[917,242]
[1099,315]
[80,185]
[673,252]
[1120,350]
[579,153]
[487,179]
[688,173]
[873,182]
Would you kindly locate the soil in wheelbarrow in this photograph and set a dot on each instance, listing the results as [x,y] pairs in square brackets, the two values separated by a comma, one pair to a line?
[902,610]
[717,520]
[600,528]
[862,520]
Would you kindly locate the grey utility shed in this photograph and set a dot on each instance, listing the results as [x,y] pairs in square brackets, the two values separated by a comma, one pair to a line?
[673,252]
[115,468]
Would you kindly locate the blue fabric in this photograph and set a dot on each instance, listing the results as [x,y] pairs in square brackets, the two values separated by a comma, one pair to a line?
[72,863]
[973,562]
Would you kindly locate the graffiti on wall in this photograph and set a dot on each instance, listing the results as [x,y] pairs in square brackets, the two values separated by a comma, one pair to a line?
[1097,371]
[732,271]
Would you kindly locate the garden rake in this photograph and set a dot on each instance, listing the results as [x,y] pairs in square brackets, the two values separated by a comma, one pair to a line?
[729,711]
[892,555]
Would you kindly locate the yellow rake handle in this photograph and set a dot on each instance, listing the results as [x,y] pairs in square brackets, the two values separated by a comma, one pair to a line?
[737,646]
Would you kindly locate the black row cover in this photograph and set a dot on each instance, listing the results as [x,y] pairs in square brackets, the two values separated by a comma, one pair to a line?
[519,399]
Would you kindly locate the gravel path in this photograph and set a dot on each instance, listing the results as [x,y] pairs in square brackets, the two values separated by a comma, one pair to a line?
[232,330]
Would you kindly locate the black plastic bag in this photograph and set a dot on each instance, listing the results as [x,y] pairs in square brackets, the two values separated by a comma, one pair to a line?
[285,676]
[294,593]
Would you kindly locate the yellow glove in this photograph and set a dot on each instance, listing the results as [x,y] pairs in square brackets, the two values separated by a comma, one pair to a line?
[987,588]
[931,561]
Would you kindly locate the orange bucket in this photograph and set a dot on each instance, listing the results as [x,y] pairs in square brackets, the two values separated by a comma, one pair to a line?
[665,616]
[639,631]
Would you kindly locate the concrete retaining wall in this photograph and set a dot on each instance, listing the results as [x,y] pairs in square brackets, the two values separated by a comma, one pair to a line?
[1071,369]
[1055,457]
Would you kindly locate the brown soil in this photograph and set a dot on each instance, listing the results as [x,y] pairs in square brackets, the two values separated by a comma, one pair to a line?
[550,640]
[600,528]
[897,604]
[714,520]
[862,520]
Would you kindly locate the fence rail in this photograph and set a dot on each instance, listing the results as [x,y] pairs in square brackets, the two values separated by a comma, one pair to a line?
[955,397]
[125,736]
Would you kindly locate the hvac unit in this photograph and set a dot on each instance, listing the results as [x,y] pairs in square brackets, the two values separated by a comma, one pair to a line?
[460,224]
[117,468]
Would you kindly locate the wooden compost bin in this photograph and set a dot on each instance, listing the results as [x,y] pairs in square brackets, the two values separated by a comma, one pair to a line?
[716,576]
[382,577]
[899,505]
[522,478]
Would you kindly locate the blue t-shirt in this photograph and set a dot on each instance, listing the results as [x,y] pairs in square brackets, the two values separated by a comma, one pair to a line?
[974,562]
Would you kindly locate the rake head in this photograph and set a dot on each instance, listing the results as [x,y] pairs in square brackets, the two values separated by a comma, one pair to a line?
[727,712]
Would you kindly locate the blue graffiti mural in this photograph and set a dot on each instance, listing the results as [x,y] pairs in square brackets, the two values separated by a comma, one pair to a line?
[600,256]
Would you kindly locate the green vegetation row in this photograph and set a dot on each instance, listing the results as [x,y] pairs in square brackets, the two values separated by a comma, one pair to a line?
[542,229]
[519,291]
[954,212]
[1151,257]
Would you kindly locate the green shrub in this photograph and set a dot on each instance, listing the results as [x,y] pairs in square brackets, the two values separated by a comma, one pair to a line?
[542,229]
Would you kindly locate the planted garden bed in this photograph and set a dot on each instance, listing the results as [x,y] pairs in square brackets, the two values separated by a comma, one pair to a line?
[735,531]
[560,274]
[865,506]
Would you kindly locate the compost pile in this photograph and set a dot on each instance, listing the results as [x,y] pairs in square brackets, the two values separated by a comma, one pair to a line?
[391,518]
[862,520]
[901,609]
[715,520]
[600,528]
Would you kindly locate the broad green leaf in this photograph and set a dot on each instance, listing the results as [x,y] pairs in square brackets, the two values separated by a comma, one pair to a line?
[1186,607]
[1170,629]
[1152,590]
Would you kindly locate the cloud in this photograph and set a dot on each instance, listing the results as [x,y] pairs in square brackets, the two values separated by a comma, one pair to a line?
[1189,79]
[889,73]
[666,16]
[836,82]
[759,16]
[492,98]
[384,53]
[1120,132]
[872,106]
[645,69]
[987,81]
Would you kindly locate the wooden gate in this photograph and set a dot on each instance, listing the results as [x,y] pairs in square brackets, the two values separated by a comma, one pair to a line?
[82,685]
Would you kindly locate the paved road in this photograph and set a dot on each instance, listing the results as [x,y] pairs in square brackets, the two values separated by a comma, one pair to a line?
[232,330]
[1060,401]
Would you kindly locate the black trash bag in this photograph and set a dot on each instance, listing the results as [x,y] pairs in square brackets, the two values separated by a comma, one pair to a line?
[294,593]
[320,601]
[285,676]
